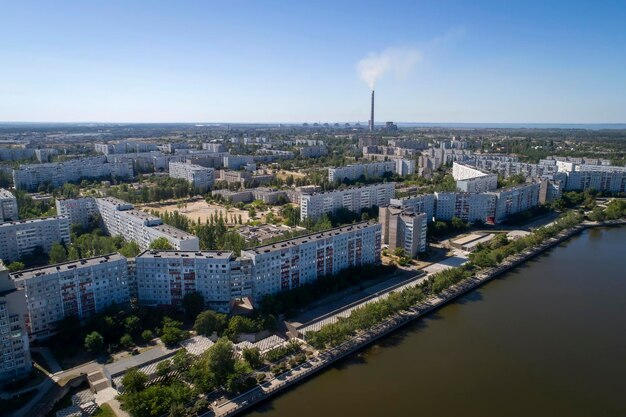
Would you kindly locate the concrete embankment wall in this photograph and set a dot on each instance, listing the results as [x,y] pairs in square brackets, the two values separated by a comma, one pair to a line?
[382,329]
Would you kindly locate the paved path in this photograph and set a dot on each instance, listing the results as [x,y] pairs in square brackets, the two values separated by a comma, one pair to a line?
[50,359]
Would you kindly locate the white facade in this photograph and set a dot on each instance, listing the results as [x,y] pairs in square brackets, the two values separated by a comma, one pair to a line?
[285,265]
[78,210]
[31,176]
[237,161]
[165,277]
[314,206]
[201,178]
[516,199]
[80,288]
[472,180]
[465,206]
[15,359]
[314,151]
[424,203]
[8,206]
[372,170]
[120,218]
[22,237]
[404,229]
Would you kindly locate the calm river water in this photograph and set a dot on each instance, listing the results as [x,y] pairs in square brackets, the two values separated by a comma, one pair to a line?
[547,339]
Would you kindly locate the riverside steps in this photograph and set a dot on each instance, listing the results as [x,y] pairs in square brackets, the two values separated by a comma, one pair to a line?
[363,339]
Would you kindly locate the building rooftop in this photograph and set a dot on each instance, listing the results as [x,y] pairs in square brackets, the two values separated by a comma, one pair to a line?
[173,232]
[66,266]
[145,358]
[177,254]
[4,193]
[284,244]
[360,187]
[27,221]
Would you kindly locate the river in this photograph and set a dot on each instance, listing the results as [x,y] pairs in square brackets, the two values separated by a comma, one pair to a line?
[546,339]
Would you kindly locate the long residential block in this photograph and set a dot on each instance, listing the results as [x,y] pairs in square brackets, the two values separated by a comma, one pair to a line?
[512,200]
[315,205]
[80,289]
[371,170]
[14,345]
[31,176]
[20,238]
[121,218]
[288,264]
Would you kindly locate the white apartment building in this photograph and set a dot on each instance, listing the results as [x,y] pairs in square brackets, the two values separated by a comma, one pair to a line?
[515,199]
[21,237]
[470,207]
[15,359]
[78,210]
[314,206]
[424,203]
[372,170]
[31,176]
[121,218]
[237,161]
[404,229]
[165,277]
[8,206]
[201,178]
[79,288]
[288,264]
[612,181]
[313,151]
[473,180]
[214,147]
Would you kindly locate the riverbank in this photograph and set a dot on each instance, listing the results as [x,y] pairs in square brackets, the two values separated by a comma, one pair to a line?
[363,339]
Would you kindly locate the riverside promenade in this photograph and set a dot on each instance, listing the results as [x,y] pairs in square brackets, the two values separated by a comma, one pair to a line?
[363,339]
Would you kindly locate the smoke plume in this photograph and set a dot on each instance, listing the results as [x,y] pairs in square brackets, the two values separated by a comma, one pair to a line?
[399,61]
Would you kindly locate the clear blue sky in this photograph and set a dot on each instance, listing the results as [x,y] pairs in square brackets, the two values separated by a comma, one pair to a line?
[278,61]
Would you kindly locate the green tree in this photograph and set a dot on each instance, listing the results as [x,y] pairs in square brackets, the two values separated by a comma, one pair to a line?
[172,332]
[94,342]
[126,341]
[134,380]
[164,368]
[161,244]
[209,321]
[57,253]
[147,335]
[221,360]
[16,266]
[132,324]
[130,249]
[253,357]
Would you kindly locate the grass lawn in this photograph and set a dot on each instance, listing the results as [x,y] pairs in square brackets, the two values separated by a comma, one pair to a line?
[105,410]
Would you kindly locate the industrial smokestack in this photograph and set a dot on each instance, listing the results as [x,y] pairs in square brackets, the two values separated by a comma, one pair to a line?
[372,114]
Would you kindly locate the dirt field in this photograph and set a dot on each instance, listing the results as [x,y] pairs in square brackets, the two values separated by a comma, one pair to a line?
[282,174]
[203,210]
